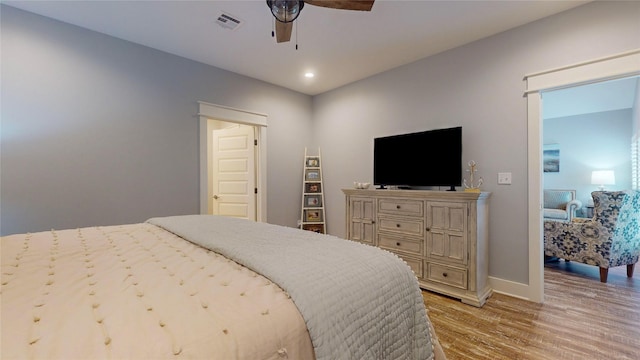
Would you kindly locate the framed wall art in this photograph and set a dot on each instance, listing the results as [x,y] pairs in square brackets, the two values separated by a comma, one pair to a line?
[312,174]
[551,158]
[313,162]
[313,215]
[319,228]
[313,188]
[313,200]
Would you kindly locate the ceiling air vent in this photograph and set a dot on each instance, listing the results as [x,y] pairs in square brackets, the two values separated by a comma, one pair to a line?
[228,21]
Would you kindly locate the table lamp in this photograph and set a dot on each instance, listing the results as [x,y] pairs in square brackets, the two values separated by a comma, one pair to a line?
[602,178]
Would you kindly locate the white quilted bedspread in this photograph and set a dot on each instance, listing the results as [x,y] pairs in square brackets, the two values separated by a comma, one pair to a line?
[358,301]
[142,293]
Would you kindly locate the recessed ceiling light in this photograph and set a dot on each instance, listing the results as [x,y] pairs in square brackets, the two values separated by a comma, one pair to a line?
[309,75]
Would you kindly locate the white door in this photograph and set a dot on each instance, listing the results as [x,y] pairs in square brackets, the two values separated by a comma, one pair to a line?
[233,172]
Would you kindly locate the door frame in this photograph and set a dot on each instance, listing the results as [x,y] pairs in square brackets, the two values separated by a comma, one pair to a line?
[208,111]
[598,70]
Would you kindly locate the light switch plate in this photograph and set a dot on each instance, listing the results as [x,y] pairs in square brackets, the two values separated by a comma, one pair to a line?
[504,178]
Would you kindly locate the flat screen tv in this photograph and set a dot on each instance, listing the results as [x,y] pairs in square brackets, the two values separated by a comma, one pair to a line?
[421,159]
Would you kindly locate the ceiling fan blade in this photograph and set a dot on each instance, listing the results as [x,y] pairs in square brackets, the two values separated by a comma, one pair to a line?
[283,31]
[362,5]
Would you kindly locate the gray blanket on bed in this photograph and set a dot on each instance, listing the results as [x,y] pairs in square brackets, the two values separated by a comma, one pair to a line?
[358,301]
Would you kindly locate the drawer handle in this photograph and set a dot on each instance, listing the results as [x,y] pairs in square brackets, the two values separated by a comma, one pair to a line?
[398,207]
[445,274]
[397,244]
[397,225]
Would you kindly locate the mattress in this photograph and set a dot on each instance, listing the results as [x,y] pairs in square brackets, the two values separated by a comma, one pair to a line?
[168,289]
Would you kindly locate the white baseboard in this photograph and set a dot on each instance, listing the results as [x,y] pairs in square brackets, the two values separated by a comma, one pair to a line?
[511,288]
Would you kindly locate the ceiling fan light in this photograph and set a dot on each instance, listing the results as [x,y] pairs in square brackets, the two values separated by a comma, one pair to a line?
[285,10]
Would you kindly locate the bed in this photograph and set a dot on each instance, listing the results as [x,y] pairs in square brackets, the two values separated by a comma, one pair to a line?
[207,287]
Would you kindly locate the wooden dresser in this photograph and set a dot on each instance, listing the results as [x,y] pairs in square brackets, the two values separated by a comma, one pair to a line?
[441,235]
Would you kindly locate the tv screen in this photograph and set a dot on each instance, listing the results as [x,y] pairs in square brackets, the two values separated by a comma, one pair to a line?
[428,158]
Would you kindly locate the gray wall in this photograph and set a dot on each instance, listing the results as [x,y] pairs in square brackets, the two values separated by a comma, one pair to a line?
[99,131]
[598,141]
[479,86]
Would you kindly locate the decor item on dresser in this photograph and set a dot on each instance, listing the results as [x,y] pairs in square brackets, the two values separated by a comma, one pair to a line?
[206,287]
[560,204]
[361,185]
[611,238]
[471,185]
[442,235]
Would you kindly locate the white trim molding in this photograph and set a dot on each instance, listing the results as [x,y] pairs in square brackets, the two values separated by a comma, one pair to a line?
[607,68]
[218,112]
[602,69]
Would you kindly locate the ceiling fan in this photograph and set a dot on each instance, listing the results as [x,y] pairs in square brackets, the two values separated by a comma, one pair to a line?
[286,11]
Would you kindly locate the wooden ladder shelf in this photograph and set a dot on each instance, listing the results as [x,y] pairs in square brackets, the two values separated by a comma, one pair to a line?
[312,217]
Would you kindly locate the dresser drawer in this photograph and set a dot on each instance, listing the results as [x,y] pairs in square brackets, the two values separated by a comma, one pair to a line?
[405,226]
[402,207]
[414,264]
[398,244]
[447,275]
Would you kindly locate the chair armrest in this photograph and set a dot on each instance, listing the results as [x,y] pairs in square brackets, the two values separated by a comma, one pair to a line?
[572,206]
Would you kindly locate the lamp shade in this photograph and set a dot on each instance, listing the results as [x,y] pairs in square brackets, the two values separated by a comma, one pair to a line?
[285,10]
[602,178]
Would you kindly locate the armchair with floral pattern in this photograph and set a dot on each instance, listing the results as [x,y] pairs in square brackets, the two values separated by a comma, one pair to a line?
[611,238]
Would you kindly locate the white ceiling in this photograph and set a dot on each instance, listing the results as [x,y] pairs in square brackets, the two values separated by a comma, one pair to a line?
[339,46]
[592,98]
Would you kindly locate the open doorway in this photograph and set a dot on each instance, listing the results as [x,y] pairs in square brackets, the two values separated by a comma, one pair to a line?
[589,127]
[608,68]
[232,162]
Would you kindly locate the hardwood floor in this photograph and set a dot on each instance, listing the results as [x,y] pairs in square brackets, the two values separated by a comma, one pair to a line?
[581,318]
